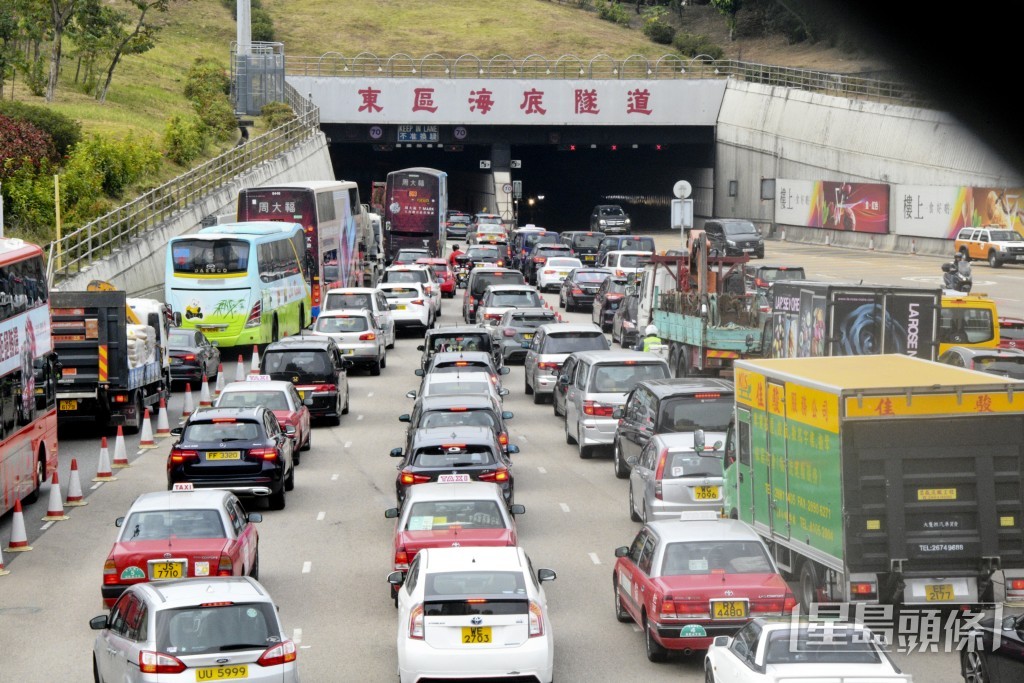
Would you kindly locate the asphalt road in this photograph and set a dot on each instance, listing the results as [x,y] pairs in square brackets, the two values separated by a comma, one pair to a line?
[325,557]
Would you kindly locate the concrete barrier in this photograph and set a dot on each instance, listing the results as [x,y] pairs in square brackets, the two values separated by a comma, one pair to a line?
[901,244]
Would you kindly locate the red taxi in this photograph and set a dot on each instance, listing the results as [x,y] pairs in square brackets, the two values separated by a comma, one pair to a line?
[437,515]
[182,533]
[686,581]
[443,273]
[280,397]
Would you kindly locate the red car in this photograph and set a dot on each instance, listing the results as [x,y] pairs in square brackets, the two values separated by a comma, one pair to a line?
[443,273]
[436,515]
[280,397]
[1011,333]
[686,581]
[183,533]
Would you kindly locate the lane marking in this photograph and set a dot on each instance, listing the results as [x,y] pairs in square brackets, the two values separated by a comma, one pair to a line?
[296,635]
[358,418]
[307,567]
[96,485]
[594,558]
[565,508]
[46,526]
[320,515]
[334,477]
[348,444]
[542,470]
[370,395]
[139,452]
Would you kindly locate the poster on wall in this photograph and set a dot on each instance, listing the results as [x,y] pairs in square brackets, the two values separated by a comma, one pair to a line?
[940,211]
[847,206]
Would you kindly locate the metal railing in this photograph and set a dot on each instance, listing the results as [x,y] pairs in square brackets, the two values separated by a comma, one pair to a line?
[666,67]
[98,238]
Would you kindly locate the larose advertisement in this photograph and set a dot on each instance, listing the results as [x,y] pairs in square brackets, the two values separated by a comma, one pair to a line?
[847,206]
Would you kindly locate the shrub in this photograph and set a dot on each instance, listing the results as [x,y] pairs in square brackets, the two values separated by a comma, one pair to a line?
[262,25]
[219,117]
[184,138]
[656,27]
[691,45]
[63,130]
[205,78]
[22,145]
[118,164]
[28,202]
[276,113]
[36,76]
[613,12]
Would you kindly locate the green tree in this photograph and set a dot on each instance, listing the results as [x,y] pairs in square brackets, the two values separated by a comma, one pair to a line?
[140,39]
[60,12]
[728,9]
[8,48]
[90,33]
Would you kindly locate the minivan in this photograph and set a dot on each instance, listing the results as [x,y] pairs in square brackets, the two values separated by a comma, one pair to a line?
[550,346]
[734,237]
[624,242]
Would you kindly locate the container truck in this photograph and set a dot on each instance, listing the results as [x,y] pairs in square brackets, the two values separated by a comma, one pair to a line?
[883,478]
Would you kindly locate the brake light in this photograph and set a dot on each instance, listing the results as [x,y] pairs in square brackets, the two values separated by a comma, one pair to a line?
[408,479]
[159,663]
[120,398]
[597,409]
[707,395]
[498,476]
[620,273]
[264,453]
[457,410]
[110,573]
[255,315]
[508,332]
[774,606]
[282,653]
[401,559]
[679,609]
[536,620]
[322,388]
[661,463]
[417,302]
[548,365]
[862,589]
[225,567]
[549,272]
[189,356]
[758,282]
[492,316]
[367,336]
[539,259]
[503,440]
[1017,585]
[218,420]
[577,291]
[416,622]
[178,456]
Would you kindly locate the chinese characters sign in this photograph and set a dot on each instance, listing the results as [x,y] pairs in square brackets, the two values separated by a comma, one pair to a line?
[896,405]
[847,206]
[941,210]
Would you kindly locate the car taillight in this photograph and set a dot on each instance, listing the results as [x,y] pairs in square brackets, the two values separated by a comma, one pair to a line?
[548,272]
[417,302]
[181,456]
[577,291]
[548,365]
[862,590]
[597,409]
[402,559]
[110,573]
[536,620]
[492,316]
[264,453]
[503,440]
[282,653]
[498,476]
[508,332]
[620,273]
[416,622]
[158,663]
[408,479]
[774,606]
[758,282]
[678,609]
[658,472]
[1016,585]
[225,567]
[322,388]
[367,336]
[255,315]
[189,356]
[500,263]
[539,259]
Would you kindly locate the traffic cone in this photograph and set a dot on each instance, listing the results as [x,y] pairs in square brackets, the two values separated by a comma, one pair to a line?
[103,471]
[120,454]
[219,385]
[163,427]
[75,497]
[147,441]
[54,508]
[254,367]
[3,572]
[19,539]
[204,394]
[240,370]
[189,407]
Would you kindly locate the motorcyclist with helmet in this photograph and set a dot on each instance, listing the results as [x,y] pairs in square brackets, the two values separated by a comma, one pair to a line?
[957,275]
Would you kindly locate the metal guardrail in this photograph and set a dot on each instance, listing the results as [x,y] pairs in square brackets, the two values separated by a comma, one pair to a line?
[82,246]
[666,67]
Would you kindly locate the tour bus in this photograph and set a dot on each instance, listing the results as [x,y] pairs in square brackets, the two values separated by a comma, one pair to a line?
[28,373]
[416,204]
[334,223]
[240,283]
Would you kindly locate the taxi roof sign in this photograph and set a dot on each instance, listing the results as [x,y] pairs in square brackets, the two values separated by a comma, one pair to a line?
[182,486]
[257,378]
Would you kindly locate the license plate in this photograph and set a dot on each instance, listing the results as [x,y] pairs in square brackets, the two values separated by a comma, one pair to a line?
[176,361]
[528,335]
[222,673]
[705,493]
[728,609]
[1019,258]
[452,478]
[69,404]
[166,570]
[472,635]
[224,455]
[563,273]
[348,352]
[942,592]
[748,249]
[401,307]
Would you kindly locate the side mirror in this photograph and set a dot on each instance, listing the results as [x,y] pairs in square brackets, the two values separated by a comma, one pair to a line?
[410,394]
[418,372]
[255,517]
[98,623]
[504,370]
[308,402]
[177,431]
[622,551]
[502,392]
[420,347]
[546,575]
[721,641]
[698,440]
[617,413]
[405,417]
[119,521]
[631,460]
[290,430]
[396,452]
[512,449]
[396,578]
[525,344]
[391,513]
[517,509]
[507,415]
[563,380]
[177,319]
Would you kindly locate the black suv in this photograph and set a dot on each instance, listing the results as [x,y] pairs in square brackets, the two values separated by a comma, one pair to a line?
[611,219]
[479,280]
[457,411]
[458,338]
[584,244]
[670,405]
[454,454]
[243,450]
[315,366]
[734,237]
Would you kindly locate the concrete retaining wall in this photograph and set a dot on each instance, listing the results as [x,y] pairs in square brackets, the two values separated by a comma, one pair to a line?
[139,267]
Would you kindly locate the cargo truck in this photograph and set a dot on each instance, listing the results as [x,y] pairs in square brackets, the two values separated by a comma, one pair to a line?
[885,478]
[113,351]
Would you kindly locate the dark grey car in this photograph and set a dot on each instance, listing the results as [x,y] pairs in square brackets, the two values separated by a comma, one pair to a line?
[516,327]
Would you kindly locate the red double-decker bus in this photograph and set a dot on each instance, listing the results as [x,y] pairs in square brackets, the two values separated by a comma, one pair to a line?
[28,375]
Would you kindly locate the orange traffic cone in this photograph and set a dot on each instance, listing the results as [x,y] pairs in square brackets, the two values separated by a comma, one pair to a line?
[19,539]
[54,508]
[254,367]
[3,572]
[146,440]
[163,427]
[120,454]
[189,406]
[75,497]
[204,394]
[219,385]
[103,471]
[240,369]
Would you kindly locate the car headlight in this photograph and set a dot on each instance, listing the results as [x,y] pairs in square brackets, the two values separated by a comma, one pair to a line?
[603,222]
[627,220]
[731,243]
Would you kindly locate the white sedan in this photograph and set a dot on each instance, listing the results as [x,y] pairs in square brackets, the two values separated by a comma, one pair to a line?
[473,613]
[410,305]
[790,649]
[550,276]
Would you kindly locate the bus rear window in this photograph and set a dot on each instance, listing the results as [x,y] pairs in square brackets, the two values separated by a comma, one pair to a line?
[210,257]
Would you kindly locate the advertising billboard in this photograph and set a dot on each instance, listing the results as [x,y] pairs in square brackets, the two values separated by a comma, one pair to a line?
[847,206]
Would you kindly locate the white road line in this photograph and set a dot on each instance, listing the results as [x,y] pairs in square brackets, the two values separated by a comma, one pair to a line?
[320,515]
[358,418]
[139,452]
[46,526]
[296,635]
[594,558]
[334,477]
[307,567]
[348,444]
[542,470]
[636,629]
[96,486]
[565,508]
[370,395]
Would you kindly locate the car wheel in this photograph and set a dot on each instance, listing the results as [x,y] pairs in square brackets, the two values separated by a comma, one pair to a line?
[655,652]
[709,675]
[568,438]
[254,571]
[808,585]
[309,441]
[561,301]
[538,398]
[993,260]
[554,406]
[632,507]
[975,670]
[621,614]
[296,458]
[526,386]
[394,335]
[384,360]
[586,452]
[621,469]
[289,482]
[336,420]
[375,368]
[348,396]
[39,475]
[277,501]
[95,671]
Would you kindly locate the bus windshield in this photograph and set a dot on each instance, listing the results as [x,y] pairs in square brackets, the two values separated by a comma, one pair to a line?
[210,257]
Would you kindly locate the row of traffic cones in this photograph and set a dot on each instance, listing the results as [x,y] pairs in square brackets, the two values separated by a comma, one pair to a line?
[558,316]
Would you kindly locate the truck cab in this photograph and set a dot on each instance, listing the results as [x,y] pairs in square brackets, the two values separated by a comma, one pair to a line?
[968,320]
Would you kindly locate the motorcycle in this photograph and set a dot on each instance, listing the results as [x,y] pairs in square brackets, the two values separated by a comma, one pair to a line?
[462,268]
[957,277]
